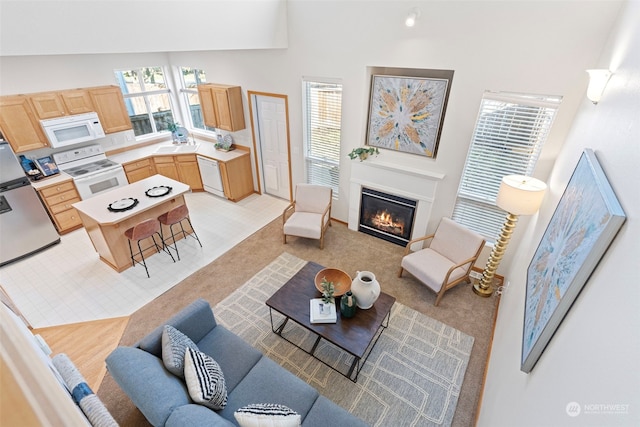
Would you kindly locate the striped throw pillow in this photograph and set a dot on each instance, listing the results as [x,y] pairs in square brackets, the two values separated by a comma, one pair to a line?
[205,380]
[267,415]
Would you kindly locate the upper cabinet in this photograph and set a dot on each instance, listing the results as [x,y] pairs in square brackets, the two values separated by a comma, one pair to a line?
[49,105]
[222,106]
[20,115]
[20,125]
[109,104]
[77,101]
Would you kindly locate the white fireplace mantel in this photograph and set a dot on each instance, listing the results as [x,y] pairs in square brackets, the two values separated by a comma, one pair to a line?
[408,182]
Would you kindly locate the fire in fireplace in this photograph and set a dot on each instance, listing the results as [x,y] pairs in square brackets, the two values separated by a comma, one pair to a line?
[386,216]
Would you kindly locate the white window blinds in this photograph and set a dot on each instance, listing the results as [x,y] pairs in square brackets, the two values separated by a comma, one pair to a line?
[322,113]
[509,134]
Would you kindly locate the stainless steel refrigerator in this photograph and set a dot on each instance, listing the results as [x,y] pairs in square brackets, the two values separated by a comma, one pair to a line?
[25,226]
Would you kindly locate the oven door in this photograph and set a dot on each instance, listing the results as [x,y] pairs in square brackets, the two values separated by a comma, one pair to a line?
[101,182]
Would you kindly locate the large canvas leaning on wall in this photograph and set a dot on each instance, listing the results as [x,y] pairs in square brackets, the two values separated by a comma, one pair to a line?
[584,224]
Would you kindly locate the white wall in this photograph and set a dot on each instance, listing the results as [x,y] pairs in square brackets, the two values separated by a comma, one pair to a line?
[593,357]
[520,46]
[49,27]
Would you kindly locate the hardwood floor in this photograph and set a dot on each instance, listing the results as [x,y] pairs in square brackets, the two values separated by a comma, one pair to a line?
[87,344]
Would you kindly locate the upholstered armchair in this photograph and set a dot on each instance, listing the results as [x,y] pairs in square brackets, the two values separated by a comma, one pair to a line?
[448,258]
[309,214]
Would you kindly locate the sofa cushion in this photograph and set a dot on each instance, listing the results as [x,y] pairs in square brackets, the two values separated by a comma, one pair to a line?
[205,380]
[326,413]
[269,382]
[196,415]
[174,347]
[153,389]
[234,355]
[267,415]
[195,321]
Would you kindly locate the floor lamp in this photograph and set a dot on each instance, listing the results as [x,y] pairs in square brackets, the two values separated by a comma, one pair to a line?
[518,195]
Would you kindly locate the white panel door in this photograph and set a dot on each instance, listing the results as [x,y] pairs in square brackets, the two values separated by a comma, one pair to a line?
[274,145]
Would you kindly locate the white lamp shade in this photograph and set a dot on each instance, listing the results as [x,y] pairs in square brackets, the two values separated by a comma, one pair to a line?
[597,81]
[520,195]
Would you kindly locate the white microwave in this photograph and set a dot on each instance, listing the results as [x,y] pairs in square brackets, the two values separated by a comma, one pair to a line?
[69,130]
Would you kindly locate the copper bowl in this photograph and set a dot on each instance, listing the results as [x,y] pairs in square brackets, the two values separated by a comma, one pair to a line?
[341,280]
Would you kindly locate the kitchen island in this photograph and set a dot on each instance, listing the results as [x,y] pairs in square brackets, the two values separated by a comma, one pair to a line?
[106,228]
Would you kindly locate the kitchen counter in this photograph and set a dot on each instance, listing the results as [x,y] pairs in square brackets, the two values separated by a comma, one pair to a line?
[58,178]
[106,229]
[205,148]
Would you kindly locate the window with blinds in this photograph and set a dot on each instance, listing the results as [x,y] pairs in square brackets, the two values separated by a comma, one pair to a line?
[322,118]
[509,134]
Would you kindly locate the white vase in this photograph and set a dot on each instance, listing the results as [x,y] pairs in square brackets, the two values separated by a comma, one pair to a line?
[366,289]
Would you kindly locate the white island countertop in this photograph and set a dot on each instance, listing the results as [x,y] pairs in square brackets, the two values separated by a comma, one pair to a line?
[97,206]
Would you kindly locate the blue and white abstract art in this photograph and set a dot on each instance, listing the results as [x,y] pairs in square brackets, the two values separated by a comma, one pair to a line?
[581,229]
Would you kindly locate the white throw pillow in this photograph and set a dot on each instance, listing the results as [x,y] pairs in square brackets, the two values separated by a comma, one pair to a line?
[267,415]
[174,345]
[205,380]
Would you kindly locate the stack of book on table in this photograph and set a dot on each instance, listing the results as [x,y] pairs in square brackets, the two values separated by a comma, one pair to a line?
[322,312]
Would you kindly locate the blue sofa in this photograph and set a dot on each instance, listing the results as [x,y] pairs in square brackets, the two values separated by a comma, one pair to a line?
[250,378]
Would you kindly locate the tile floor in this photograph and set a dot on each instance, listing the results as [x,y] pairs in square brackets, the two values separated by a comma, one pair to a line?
[68,283]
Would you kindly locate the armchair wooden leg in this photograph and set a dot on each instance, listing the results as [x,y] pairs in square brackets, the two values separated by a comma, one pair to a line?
[284,239]
[400,272]
[322,242]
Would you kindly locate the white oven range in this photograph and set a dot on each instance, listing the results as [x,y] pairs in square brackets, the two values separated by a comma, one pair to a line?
[91,171]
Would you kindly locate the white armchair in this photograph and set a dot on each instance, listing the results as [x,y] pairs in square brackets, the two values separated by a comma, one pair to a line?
[309,214]
[448,259]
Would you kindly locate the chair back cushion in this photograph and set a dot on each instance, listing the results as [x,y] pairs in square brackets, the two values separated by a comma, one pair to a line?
[312,198]
[454,241]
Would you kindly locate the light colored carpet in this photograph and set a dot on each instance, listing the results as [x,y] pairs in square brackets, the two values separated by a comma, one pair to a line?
[412,377]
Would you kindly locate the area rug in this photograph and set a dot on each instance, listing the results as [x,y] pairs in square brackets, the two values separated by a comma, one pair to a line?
[411,378]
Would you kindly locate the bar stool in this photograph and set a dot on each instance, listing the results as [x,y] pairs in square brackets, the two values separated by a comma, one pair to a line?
[175,217]
[141,231]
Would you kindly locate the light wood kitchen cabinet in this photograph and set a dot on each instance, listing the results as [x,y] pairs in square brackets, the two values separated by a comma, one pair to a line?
[58,199]
[222,106]
[237,179]
[183,168]
[77,101]
[109,104]
[139,170]
[49,105]
[188,171]
[20,125]
[165,165]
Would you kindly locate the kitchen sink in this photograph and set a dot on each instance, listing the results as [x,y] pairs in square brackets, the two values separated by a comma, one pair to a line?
[178,148]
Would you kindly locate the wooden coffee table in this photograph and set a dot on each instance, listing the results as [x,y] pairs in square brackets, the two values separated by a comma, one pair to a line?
[356,335]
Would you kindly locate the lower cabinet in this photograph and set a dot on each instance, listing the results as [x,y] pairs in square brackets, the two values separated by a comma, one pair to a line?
[58,199]
[237,179]
[166,166]
[139,170]
[189,172]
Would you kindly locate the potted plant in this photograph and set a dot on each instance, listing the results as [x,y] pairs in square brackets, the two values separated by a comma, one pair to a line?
[363,152]
[327,291]
[173,128]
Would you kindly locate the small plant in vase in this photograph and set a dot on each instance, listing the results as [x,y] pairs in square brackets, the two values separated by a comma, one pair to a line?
[327,291]
[363,152]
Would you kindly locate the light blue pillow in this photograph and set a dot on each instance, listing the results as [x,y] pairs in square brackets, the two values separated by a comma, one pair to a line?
[174,345]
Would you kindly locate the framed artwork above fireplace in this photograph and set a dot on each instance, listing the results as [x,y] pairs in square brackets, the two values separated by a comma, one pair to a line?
[406,113]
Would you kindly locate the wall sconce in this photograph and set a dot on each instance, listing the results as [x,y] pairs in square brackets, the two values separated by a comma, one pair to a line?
[518,195]
[412,17]
[597,81]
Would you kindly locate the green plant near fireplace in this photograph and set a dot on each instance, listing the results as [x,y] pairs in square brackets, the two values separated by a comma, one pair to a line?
[363,152]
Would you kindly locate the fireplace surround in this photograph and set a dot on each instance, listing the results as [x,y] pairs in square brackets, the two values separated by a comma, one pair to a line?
[387,216]
[400,180]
